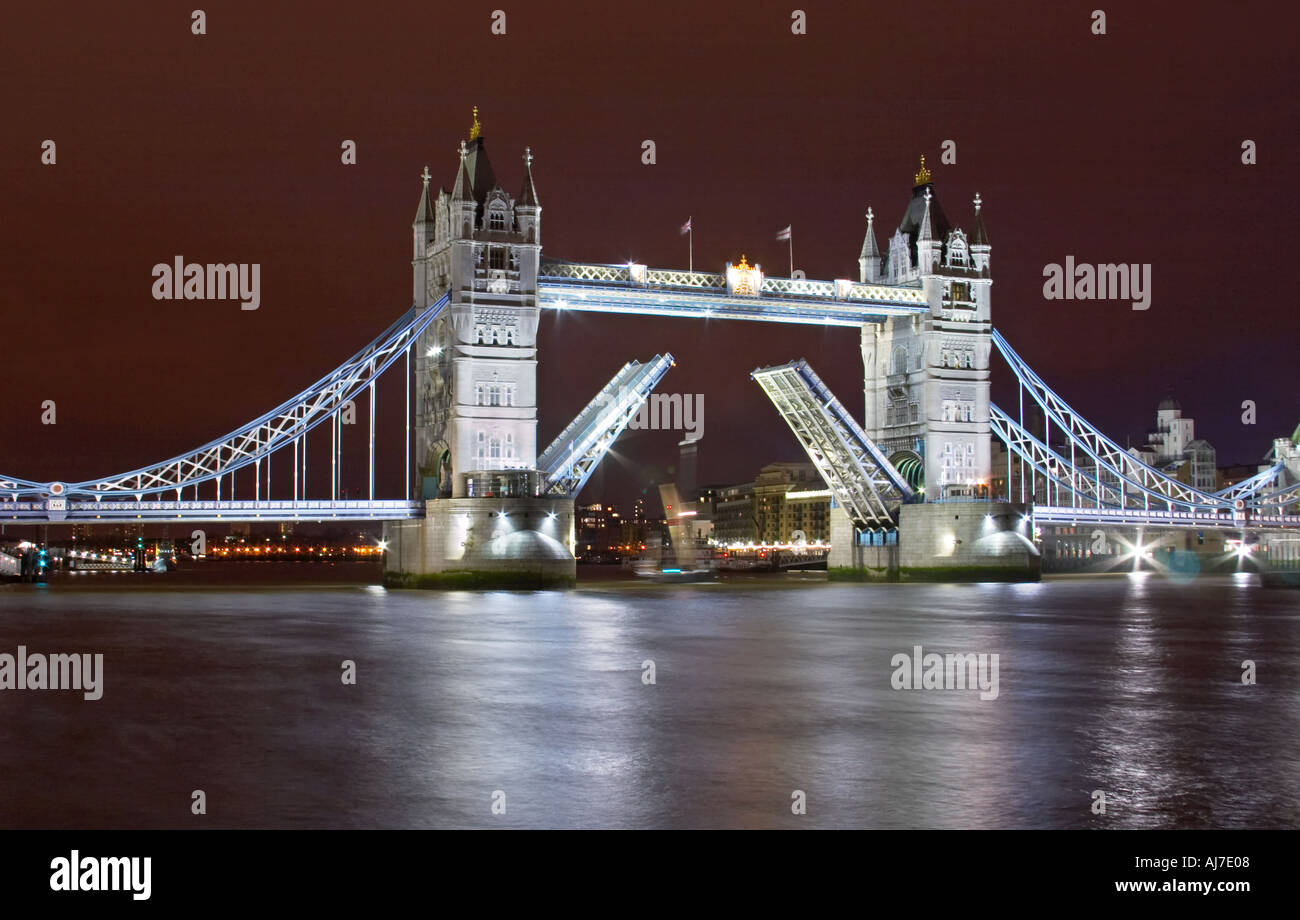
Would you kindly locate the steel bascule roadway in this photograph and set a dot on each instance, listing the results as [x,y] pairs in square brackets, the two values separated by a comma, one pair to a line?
[862,480]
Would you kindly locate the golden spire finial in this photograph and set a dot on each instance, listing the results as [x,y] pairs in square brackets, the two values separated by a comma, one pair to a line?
[476,129]
[922,177]
[744,263]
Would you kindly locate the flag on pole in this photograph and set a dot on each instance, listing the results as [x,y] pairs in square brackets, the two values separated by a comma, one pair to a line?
[686,227]
[784,234]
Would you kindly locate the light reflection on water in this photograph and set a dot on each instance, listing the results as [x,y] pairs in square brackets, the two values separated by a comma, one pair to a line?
[1130,685]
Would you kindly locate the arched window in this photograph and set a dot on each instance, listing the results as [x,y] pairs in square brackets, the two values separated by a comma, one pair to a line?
[956,248]
[900,361]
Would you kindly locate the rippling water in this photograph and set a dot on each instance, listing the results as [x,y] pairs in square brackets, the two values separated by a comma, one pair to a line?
[1131,685]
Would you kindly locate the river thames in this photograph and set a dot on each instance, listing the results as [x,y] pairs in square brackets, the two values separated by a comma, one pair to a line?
[629,706]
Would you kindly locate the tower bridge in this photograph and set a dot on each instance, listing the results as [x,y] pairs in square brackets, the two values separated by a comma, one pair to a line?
[479,495]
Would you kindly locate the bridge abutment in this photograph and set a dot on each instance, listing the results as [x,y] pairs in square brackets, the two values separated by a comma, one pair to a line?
[851,559]
[967,541]
[478,542]
[941,541]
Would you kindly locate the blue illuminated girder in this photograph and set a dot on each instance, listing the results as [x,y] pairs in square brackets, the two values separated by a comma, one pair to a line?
[1221,519]
[1053,467]
[253,442]
[1113,478]
[223,511]
[1148,483]
[666,292]
[859,475]
[1255,484]
[573,456]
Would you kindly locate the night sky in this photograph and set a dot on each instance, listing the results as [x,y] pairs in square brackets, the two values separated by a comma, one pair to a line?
[226,147]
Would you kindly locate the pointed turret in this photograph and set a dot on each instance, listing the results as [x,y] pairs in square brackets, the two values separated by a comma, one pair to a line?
[528,194]
[927,246]
[925,232]
[424,212]
[463,188]
[425,225]
[423,230]
[463,205]
[869,260]
[980,248]
[528,210]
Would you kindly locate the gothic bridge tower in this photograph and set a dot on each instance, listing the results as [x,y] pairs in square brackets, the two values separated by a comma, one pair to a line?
[926,377]
[476,367]
[476,391]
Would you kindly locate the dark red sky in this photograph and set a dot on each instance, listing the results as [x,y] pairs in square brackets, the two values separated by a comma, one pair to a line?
[225,147]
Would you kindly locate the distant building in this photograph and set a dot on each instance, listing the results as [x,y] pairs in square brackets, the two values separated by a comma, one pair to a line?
[785,498]
[705,496]
[1174,449]
[598,530]
[777,516]
[733,514]
[687,464]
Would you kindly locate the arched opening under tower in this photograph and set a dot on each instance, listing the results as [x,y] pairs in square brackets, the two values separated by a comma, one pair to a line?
[910,464]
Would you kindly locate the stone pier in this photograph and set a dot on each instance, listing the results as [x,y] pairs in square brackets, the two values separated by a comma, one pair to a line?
[479,542]
[942,541]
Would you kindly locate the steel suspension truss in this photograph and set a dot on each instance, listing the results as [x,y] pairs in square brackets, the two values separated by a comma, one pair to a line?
[573,456]
[860,477]
[12,488]
[1054,468]
[1255,492]
[1278,499]
[1101,472]
[283,427]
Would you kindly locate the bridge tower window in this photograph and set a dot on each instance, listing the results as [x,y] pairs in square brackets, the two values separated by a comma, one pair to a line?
[899,364]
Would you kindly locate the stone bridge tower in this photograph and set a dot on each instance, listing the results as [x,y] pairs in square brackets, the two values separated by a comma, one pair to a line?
[475,388]
[926,378]
[476,367]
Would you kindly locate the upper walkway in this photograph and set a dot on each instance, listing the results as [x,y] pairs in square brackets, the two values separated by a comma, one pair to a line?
[637,289]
